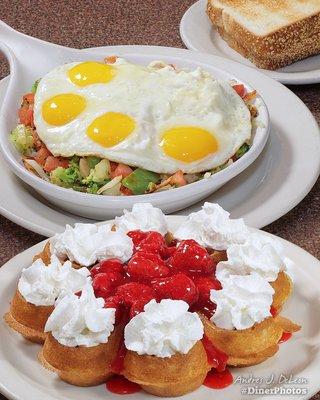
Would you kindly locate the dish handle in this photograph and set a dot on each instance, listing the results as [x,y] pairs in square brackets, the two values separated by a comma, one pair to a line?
[28,50]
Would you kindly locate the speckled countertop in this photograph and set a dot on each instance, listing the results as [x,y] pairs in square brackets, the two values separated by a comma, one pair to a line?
[79,23]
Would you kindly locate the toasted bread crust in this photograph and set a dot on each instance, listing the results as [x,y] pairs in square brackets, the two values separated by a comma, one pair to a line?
[274,50]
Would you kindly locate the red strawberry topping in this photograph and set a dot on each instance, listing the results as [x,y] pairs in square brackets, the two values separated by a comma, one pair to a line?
[111,265]
[180,271]
[138,306]
[192,258]
[176,287]
[137,236]
[154,243]
[204,304]
[115,302]
[205,285]
[103,285]
[146,266]
[130,292]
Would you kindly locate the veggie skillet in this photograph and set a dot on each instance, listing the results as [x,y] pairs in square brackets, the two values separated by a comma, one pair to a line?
[97,175]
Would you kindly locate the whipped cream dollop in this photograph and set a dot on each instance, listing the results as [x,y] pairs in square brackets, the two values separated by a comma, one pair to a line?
[81,321]
[42,284]
[259,254]
[212,227]
[242,302]
[143,217]
[163,329]
[88,243]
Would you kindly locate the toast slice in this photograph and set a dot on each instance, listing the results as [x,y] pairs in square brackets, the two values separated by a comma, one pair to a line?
[270,33]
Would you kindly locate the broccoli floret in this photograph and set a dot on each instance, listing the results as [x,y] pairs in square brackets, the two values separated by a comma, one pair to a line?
[35,86]
[22,138]
[93,187]
[67,177]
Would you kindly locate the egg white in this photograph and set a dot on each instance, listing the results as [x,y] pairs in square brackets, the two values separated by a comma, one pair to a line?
[157,99]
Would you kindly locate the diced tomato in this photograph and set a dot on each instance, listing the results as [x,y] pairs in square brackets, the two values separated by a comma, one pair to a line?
[42,154]
[54,162]
[26,116]
[240,89]
[113,166]
[29,97]
[121,169]
[178,179]
[111,59]
[126,191]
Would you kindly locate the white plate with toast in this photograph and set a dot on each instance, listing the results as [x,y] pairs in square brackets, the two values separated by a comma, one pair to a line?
[261,194]
[198,33]
[22,376]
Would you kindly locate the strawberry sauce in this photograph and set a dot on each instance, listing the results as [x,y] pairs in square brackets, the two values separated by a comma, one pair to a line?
[217,358]
[118,363]
[158,270]
[218,380]
[285,337]
[120,385]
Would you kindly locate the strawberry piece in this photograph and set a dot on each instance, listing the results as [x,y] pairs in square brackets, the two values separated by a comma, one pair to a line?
[205,285]
[137,236]
[168,252]
[204,304]
[145,266]
[206,308]
[103,284]
[130,292]
[176,287]
[138,306]
[153,243]
[115,302]
[111,265]
[192,258]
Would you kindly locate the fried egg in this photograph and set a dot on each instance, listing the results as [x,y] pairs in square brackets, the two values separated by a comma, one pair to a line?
[153,117]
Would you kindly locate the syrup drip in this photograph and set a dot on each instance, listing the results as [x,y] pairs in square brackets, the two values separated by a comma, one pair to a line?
[217,358]
[273,311]
[285,337]
[118,363]
[218,380]
[120,385]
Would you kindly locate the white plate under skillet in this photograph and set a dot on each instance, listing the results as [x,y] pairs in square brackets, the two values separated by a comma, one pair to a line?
[198,33]
[277,181]
[23,378]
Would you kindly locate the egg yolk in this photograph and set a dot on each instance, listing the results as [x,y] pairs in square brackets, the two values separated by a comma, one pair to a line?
[63,108]
[111,128]
[188,143]
[90,72]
